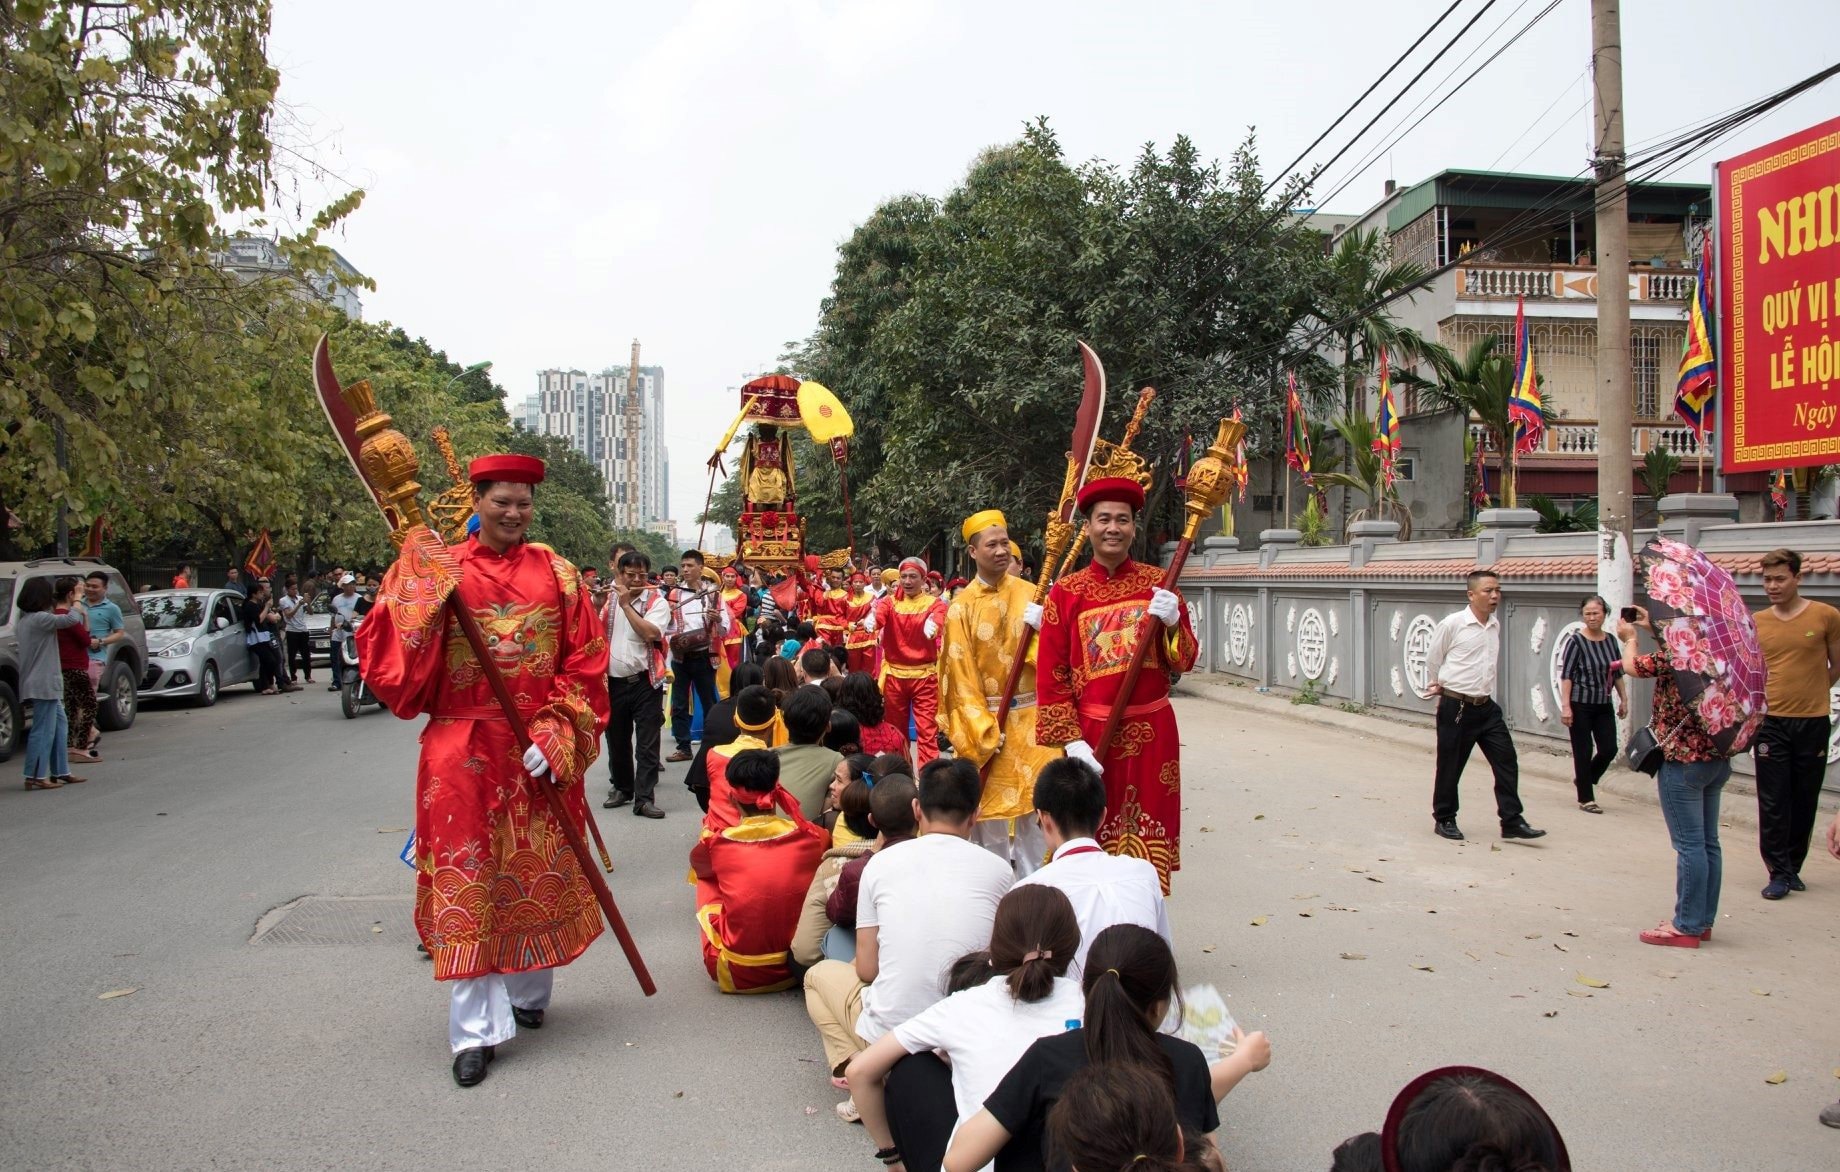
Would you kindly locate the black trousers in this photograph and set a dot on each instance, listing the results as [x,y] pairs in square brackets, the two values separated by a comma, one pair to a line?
[1592,724]
[1791,763]
[699,672]
[300,651]
[634,730]
[268,665]
[1460,728]
[921,1110]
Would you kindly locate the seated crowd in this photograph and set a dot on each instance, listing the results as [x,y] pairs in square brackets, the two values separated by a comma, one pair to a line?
[977,1019]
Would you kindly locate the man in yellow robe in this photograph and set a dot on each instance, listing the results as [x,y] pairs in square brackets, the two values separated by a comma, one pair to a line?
[984,631]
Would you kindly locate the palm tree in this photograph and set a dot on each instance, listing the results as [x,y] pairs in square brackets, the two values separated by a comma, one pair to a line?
[1477,386]
[1362,275]
[1368,476]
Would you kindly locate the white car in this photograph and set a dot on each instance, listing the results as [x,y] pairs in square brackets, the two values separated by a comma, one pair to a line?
[195,645]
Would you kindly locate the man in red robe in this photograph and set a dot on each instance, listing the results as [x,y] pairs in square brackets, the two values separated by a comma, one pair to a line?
[830,610]
[500,900]
[751,879]
[1090,627]
[859,644]
[908,623]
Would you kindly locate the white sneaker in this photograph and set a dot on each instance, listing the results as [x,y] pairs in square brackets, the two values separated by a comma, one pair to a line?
[847,1111]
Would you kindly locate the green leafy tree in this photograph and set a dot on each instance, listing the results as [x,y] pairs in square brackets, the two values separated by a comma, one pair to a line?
[130,130]
[1658,468]
[1479,385]
[1362,277]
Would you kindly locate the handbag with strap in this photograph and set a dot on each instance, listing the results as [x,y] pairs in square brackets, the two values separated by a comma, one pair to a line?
[1645,752]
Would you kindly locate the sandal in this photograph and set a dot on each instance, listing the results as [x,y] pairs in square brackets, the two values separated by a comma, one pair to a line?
[1668,936]
[67,779]
[42,783]
[84,755]
[1590,807]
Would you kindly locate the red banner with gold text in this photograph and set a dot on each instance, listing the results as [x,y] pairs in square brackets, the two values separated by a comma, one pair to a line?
[1779,303]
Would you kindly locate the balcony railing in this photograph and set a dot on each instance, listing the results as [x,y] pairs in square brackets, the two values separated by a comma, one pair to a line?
[1580,439]
[1495,282]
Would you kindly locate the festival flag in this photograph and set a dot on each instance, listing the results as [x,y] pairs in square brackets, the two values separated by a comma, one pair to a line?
[1699,363]
[1479,496]
[1779,494]
[1386,423]
[1240,473]
[1185,459]
[1297,433]
[261,560]
[1525,414]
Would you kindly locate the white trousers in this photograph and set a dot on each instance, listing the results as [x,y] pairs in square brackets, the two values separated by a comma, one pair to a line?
[1017,841]
[479,1013]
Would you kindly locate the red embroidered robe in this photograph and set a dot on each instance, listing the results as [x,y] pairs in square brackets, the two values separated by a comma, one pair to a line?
[1089,629]
[497,889]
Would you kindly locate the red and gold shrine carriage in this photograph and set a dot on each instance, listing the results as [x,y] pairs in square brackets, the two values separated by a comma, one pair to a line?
[771,532]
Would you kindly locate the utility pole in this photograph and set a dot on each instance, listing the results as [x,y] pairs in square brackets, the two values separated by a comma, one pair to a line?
[634,427]
[1615,406]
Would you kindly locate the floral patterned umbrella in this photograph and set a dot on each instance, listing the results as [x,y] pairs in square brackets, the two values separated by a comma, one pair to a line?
[1710,640]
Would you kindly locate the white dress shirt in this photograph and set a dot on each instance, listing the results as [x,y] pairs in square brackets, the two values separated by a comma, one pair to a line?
[1463,654]
[627,654]
[1104,890]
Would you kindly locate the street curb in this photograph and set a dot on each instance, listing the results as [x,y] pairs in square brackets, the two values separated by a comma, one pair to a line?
[1537,758]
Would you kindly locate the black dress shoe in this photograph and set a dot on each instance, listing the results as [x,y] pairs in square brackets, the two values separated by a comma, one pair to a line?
[470,1065]
[616,800]
[1448,829]
[1520,829]
[530,1019]
[647,810]
[1795,883]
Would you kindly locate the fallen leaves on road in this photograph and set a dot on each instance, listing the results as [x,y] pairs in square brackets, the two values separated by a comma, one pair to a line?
[114,993]
[1258,921]
[1424,968]
[1312,895]
[1533,936]
[1258,817]
[1778,1079]
[1576,993]
[392,830]
[1363,956]
[1207,948]
[1550,1013]
[1375,879]
[1591,982]
[1761,992]
[1471,955]
[1308,913]
[1495,846]
[1207,830]
[377,927]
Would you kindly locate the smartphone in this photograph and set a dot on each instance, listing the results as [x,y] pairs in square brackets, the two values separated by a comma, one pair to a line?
[1631,615]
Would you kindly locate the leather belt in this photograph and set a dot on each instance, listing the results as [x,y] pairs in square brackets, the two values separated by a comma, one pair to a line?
[1472,701]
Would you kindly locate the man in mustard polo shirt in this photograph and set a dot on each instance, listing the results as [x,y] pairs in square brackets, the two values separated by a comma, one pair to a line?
[1801,653]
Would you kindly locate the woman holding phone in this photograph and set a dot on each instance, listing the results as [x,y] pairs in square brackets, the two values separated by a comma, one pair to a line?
[1586,679]
[1692,777]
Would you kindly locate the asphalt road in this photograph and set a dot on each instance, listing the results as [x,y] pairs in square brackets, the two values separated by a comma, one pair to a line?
[154,877]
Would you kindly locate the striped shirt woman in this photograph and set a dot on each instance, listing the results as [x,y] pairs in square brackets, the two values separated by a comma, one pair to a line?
[1585,683]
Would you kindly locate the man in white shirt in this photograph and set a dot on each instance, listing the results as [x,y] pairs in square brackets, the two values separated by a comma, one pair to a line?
[1104,889]
[1465,649]
[694,631]
[293,607]
[344,612]
[922,905]
[636,615]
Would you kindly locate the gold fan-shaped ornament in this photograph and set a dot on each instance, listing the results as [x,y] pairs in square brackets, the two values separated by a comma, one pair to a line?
[836,559]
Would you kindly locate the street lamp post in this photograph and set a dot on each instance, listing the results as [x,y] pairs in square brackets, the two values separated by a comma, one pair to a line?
[476,368]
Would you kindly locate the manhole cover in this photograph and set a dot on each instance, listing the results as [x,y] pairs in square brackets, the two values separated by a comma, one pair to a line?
[323,921]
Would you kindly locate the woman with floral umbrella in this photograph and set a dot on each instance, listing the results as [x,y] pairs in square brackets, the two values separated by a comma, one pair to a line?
[1708,703]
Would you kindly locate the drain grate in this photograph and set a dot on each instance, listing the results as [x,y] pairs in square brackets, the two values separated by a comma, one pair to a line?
[321,921]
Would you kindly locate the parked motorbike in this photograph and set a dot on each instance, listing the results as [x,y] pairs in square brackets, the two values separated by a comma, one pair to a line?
[355,694]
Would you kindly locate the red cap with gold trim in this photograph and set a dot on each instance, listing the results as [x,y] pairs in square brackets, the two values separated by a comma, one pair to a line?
[507,467]
[1110,488]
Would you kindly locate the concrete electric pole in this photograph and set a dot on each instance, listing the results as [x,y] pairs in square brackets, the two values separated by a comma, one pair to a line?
[1615,405]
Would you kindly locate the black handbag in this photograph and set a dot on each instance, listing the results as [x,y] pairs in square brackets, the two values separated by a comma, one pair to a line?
[1644,752]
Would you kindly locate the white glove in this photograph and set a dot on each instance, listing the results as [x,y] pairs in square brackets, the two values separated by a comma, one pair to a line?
[1032,615]
[535,763]
[1081,751]
[931,628]
[868,624]
[1165,606]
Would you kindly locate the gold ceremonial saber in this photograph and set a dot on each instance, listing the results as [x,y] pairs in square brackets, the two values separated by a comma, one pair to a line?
[386,462]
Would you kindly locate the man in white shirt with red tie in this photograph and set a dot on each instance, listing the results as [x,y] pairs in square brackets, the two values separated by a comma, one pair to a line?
[1461,663]
[1104,889]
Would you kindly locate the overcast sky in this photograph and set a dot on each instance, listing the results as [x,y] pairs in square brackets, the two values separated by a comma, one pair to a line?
[547,181]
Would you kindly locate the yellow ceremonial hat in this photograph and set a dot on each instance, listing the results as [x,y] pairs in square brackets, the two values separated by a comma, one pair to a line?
[978,522]
[1015,551]
[890,577]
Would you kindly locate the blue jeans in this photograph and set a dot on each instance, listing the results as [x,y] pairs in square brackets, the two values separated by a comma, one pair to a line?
[1690,805]
[45,747]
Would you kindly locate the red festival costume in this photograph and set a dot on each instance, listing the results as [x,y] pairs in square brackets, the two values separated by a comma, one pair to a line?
[910,665]
[751,881]
[497,889]
[1089,629]
[830,614]
[858,643]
